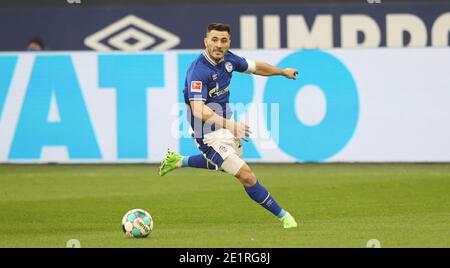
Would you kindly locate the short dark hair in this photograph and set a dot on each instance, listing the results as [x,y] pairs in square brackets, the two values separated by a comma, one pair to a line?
[221,27]
[36,40]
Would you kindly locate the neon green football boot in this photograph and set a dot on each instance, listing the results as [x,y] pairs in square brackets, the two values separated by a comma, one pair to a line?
[288,221]
[169,163]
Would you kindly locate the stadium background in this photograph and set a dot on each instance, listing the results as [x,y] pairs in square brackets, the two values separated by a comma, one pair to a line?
[376,115]
[379,93]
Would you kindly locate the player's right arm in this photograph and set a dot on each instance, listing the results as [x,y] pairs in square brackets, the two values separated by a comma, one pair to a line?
[202,111]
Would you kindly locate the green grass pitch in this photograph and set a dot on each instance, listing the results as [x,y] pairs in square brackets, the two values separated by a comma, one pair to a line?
[336,205]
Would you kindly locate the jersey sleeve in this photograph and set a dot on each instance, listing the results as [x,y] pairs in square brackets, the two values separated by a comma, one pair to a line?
[196,83]
[244,65]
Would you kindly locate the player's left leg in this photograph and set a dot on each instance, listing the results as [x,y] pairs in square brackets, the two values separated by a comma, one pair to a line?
[235,166]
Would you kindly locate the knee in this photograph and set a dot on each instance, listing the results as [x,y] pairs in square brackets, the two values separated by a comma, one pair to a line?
[246,176]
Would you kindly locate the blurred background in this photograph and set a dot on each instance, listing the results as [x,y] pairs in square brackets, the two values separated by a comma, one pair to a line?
[72,24]
[373,81]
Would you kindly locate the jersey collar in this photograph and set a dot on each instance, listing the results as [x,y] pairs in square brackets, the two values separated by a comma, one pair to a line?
[211,61]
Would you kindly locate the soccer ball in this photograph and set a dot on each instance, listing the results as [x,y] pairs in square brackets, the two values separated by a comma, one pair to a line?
[137,223]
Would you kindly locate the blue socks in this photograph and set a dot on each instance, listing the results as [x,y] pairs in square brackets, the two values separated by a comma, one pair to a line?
[261,196]
[256,192]
[185,162]
[197,161]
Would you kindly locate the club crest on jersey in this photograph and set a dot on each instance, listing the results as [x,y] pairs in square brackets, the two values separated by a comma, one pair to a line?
[196,86]
[228,66]
[214,77]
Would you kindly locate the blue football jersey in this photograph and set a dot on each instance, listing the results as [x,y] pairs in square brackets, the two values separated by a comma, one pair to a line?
[209,81]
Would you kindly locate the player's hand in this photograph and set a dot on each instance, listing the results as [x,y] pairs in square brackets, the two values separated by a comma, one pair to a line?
[240,130]
[290,73]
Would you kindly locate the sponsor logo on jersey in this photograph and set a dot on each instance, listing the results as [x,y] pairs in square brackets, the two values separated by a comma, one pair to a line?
[216,92]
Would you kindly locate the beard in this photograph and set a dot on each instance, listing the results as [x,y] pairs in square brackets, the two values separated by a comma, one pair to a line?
[217,55]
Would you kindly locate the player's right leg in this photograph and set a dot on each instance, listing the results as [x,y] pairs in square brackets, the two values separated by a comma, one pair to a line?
[174,160]
[170,162]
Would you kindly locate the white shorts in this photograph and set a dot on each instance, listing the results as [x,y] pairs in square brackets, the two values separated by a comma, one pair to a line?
[218,146]
[223,142]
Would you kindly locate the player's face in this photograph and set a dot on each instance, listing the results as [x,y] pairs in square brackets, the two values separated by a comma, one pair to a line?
[217,44]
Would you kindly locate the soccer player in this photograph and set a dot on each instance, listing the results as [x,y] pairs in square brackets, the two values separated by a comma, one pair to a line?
[206,93]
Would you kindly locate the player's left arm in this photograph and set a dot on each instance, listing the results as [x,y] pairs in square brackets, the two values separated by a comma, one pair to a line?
[265,69]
